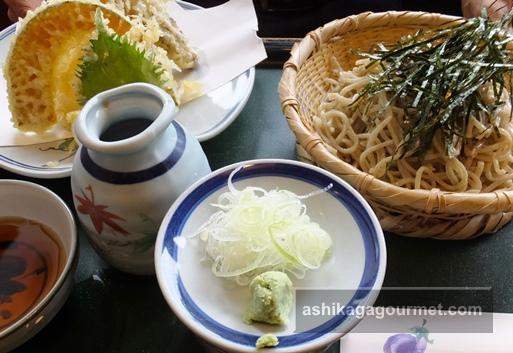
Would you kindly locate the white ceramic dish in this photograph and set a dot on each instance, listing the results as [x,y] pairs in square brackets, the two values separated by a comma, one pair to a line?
[32,201]
[213,309]
[204,117]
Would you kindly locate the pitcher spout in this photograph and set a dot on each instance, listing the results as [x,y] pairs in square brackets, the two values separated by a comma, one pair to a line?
[124,119]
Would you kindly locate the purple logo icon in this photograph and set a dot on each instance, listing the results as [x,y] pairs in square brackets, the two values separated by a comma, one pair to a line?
[415,342]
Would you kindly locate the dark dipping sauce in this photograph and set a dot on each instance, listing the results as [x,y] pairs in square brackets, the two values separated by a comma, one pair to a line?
[31,260]
[124,129]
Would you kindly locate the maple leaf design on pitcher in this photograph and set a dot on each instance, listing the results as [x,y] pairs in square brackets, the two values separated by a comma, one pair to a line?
[98,213]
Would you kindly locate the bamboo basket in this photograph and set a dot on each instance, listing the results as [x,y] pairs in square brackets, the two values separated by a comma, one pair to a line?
[417,213]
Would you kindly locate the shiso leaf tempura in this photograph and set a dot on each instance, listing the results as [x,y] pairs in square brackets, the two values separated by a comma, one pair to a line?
[255,231]
[114,61]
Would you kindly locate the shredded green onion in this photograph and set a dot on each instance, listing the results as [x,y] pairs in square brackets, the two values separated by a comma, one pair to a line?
[255,230]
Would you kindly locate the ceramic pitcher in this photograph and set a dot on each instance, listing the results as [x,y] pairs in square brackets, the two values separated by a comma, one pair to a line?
[134,160]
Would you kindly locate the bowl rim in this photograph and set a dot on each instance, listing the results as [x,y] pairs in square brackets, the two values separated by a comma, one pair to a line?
[325,339]
[69,258]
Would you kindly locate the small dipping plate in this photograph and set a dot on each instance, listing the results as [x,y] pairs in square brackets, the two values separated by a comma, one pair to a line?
[213,307]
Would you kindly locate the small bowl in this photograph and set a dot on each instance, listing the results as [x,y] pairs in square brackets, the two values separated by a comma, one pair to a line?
[34,202]
[213,308]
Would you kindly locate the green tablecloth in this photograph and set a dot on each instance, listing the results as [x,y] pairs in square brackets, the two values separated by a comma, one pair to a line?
[109,311]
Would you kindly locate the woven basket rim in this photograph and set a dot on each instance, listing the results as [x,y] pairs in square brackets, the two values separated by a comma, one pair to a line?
[483,202]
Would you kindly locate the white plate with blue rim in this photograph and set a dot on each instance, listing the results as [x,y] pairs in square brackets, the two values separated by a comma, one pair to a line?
[213,308]
[205,117]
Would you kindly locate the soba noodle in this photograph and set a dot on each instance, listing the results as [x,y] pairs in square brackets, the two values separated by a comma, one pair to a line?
[370,136]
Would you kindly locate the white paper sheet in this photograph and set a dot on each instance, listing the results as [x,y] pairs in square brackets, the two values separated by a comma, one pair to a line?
[224,36]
